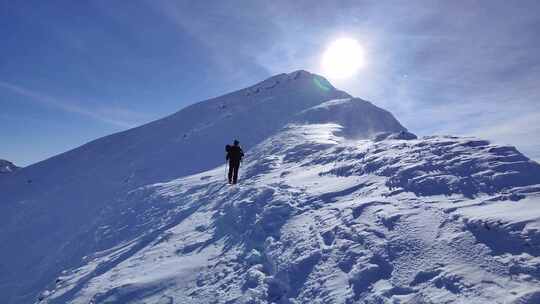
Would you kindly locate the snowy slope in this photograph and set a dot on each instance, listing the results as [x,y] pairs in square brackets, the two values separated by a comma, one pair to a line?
[7,167]
[322,218]
[49,212]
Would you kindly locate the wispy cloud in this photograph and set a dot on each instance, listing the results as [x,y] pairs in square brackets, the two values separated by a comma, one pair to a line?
[111,115]
[250,31]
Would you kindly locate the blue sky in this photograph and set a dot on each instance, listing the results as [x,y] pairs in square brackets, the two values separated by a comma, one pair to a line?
[73,71]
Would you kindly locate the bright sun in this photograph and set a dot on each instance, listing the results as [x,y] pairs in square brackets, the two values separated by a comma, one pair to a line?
[343,58]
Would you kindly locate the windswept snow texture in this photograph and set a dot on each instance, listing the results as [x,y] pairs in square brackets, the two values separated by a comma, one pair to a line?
[49,211]
[7,167]
[321,218]
[358,118]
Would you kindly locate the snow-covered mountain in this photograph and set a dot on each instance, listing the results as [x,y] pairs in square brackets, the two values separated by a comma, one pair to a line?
[7,167]
[46,207]
[338,203]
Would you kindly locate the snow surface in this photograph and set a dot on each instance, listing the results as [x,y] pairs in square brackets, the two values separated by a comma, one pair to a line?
[329,209]
[319,218]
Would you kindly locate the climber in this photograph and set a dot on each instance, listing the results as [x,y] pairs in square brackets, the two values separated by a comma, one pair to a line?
[234,156]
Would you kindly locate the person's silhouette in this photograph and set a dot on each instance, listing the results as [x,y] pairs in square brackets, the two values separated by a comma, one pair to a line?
[234,156]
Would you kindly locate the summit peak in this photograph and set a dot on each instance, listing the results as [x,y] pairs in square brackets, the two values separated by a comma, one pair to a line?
[295,79]
[7,166]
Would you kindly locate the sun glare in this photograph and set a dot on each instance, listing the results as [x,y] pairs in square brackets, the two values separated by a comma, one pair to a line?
[343,58]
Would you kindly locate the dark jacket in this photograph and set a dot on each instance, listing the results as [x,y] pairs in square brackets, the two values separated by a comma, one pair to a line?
[235,154]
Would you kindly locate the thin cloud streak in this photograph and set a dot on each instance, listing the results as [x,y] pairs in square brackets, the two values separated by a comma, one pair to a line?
[225,53]
[99,115]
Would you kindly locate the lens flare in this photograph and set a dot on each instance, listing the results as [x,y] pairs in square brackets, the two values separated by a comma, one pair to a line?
[343,58]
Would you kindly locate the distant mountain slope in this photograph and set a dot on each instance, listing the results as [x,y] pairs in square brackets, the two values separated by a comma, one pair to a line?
[322,218]
[47,209]
[7,167]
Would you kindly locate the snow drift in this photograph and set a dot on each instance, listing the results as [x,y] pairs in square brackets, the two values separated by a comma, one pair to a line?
[338,203]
